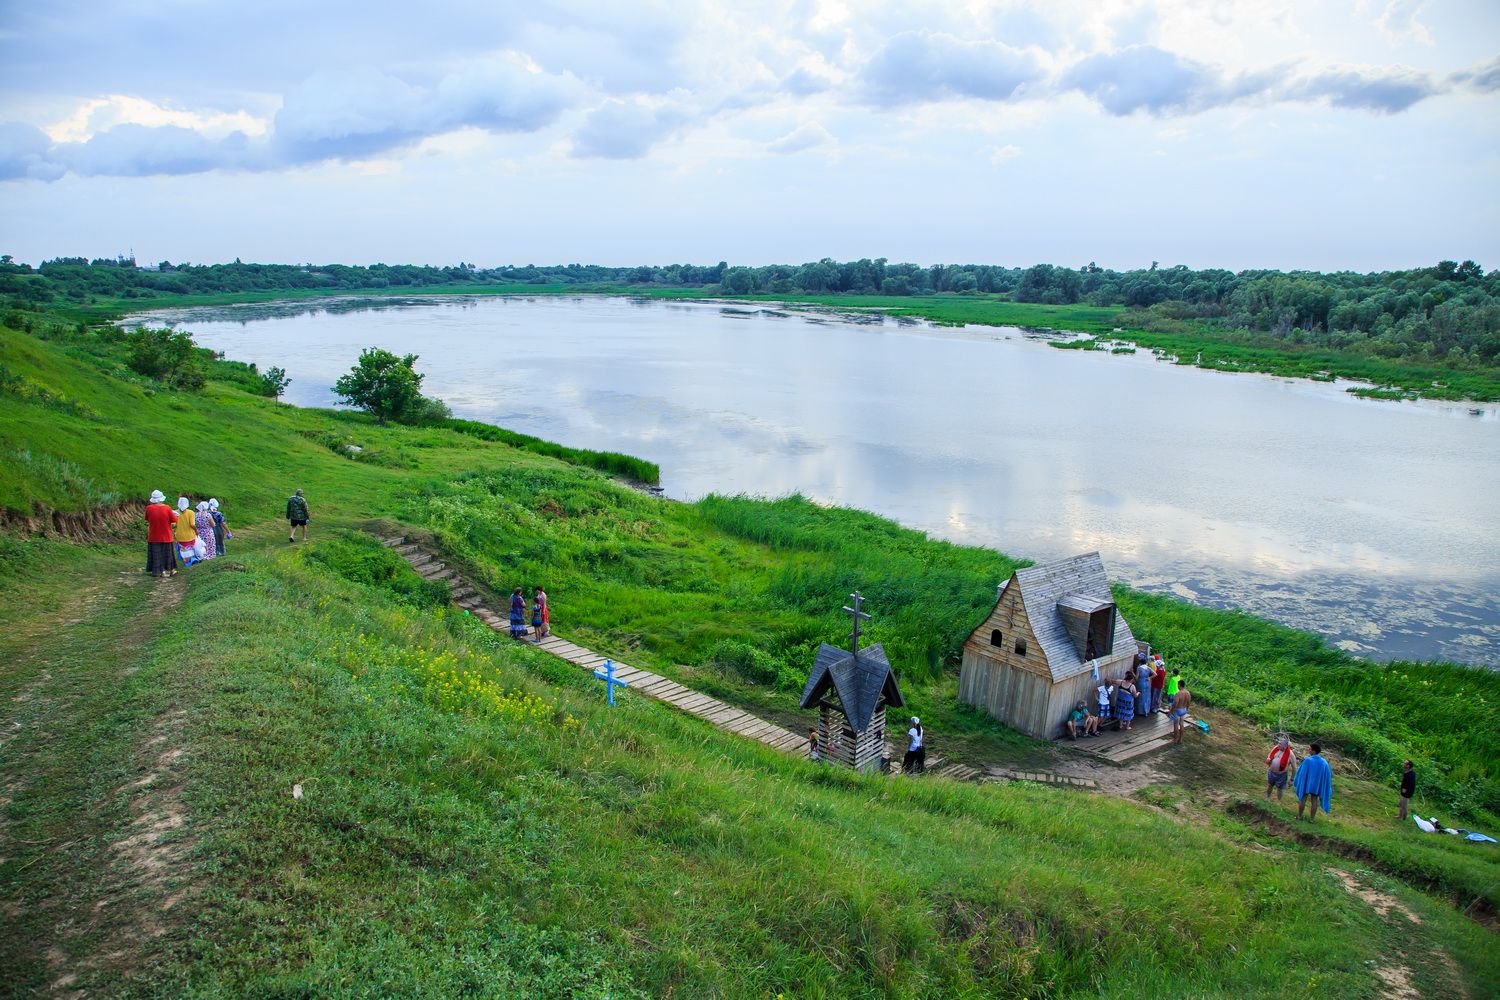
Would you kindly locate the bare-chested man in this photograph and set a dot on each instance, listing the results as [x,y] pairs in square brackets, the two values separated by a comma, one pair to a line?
[1180,705]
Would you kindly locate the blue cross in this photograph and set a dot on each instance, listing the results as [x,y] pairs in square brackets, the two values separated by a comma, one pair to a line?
[610,680]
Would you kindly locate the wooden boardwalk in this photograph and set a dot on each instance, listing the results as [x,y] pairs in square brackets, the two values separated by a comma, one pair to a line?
[725,717]
[1118,746]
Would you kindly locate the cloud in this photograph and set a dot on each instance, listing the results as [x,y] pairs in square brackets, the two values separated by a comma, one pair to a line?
[1000,154]
[1483,79]
[1385,91]
[332,116]
[919,66]
[803,82]
[802,137]
[1146,78]
[1399,21]
[143,150]
[25,152]
[626,130]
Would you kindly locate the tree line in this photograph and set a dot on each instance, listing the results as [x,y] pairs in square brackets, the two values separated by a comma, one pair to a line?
[1449,312]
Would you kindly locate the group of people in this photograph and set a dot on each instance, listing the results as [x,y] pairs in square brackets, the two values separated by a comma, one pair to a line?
[541,616]
[1147,687]
[187,534]
[1313,778]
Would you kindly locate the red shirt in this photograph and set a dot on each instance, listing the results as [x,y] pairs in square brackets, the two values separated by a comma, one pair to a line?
[1159,679]
[159,521]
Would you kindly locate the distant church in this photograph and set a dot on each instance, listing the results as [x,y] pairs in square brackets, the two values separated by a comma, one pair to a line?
[1054,629]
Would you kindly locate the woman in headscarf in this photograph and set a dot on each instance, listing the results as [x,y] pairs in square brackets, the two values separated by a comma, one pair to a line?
[221,527]
[204,523]
[517,615]
[187,532]
[159,521]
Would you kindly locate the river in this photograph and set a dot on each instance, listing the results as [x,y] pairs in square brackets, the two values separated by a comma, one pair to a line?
[1371,522]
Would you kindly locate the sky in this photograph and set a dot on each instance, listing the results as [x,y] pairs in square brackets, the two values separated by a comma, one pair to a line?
[1362,134]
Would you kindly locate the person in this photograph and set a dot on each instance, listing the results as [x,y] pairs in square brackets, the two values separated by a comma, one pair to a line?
[296,513]
[1125,700]
[1080,716]
[1181,702]
[160,562]
[1143,690]
[203,522]
[541,615]
[812,744]
[1314,784]
[221,526]
[1158,684]
[1106,694]
[1172,682]
[1408,788]
[187,532]
[517,615]
[1278,766]
[916,753]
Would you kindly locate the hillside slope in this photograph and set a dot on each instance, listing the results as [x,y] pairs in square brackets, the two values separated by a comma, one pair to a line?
[473,820]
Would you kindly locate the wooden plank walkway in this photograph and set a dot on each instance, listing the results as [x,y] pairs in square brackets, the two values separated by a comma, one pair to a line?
[1146,734]
[725,717]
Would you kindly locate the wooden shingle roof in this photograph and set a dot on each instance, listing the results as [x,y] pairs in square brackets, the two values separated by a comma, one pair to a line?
[1077,583]
[859,681]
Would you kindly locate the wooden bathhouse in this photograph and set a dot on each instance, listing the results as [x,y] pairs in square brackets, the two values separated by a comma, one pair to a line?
[852,689]
[1037,653]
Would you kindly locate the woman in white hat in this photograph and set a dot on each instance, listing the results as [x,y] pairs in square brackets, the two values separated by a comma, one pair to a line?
[160,560]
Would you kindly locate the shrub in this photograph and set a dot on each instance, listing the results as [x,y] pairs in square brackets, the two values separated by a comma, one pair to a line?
[744,660]
[362,559]
[168,356]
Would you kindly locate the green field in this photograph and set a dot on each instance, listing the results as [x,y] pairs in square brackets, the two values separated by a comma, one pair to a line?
[473,820]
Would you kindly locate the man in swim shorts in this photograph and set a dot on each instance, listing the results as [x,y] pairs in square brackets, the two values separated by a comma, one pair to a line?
[1180,705]
[1278,766]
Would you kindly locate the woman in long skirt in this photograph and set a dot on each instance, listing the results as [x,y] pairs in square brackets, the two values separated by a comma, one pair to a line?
[221,526]
[204,522]
[1125,701]
[517,615]
[186,533]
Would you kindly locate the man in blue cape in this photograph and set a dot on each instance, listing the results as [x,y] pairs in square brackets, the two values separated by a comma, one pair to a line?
[1314,784]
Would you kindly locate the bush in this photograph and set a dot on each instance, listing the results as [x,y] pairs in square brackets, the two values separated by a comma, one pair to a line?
[362,559]
[168,356]
[744,660]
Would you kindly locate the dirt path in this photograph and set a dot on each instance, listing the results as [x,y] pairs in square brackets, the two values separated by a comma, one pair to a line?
[93,771]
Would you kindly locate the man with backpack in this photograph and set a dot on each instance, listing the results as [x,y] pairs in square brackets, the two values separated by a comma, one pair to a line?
[296,513]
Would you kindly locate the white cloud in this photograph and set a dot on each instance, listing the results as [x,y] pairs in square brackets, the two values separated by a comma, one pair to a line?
[626,130]
[923,66]
[999,154]
[803,137]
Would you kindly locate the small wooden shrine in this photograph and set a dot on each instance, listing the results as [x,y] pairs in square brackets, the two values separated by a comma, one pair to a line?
[1053,633]
[852,689]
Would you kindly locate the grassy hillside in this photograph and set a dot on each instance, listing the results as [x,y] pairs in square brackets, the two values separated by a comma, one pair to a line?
[473,820]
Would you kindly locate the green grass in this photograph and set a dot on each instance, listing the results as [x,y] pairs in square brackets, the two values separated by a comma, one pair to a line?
[518,837]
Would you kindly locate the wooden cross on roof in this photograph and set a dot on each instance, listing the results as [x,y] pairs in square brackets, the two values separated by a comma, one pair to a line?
[858,616]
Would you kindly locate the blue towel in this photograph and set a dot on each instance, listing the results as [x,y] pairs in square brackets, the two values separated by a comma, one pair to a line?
[1315,777]
[1480,838]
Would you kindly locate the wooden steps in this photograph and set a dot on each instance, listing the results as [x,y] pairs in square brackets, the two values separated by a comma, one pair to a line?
[643,682]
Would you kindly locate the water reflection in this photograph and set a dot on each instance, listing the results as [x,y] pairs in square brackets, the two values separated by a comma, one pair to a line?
[1367,521]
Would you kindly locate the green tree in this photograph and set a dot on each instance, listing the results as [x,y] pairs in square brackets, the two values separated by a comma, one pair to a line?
[169,356]
[380,383]
[276,381]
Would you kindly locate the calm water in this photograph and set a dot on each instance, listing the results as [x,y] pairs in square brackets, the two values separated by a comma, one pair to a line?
[1374,523]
